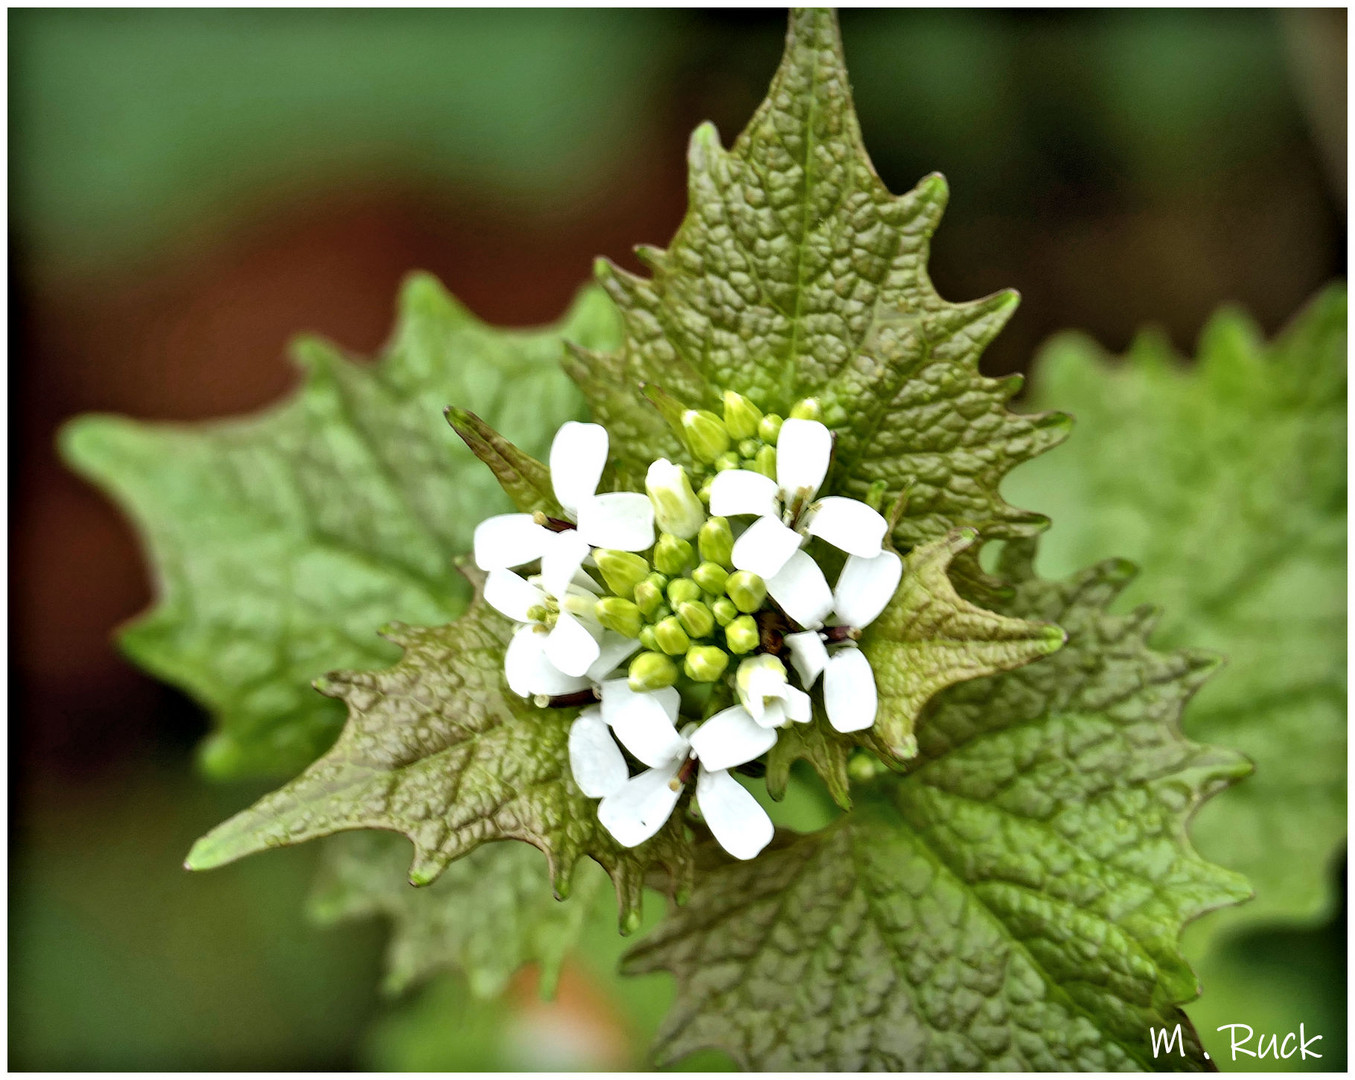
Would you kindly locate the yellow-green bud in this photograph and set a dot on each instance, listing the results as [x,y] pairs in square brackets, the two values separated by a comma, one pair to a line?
[660,613]
[651,671]
[711,576]
[748,447]
[704,494]
[706,434]
[621,570]
[648,639]
[769,428]
[681,590]
[677,510]
[716,542]
[659,581]
[724,611]
[673,555]
[696,618]
[742,635]
[765,461]
[671,637]
[808,409]
[620,615]
[705,663]
[862,767]
[741,415]
[728,460]
[648,598]
[747,590]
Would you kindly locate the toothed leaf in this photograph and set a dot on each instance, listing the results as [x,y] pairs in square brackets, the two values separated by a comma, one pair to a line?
[280,542]
[1226,480]
[486,916]
[796,273]
[1013,902]
[439,749]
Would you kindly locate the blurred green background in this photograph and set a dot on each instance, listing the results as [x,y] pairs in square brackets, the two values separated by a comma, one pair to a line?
[189,189]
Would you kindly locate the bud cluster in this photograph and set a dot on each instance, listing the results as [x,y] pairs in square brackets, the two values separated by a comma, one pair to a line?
[699,591]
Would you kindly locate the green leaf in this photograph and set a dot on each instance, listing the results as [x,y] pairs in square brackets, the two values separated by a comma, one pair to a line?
[1014,902]
[439,749]
[488,915]
[796,273]
[927,639]
[281,542]
[1226,480]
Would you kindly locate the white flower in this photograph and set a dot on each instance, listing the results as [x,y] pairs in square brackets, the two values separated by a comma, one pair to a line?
[561,647]
[769,699]
[787,513]
[634,808]
[864,588]
[623,520]
[677,510]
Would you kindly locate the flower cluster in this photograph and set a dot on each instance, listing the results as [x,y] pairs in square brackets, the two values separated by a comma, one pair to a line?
[677,616]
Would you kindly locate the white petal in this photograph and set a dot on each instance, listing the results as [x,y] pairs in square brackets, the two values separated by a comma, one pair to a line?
[617,695]
[865,587]
[643,722]
[849,525]
[742,491]
[803,451]
[802,591]
[577,457]
[511,595]
[798,705]
[730,738]
[637,810]
[509,540]
[612,649]
[765,546]
[570,647]
[529,672]
[773,715]
[621,519]
[849,691]
[734,817]
[562,560]
[809,655]
[596,761]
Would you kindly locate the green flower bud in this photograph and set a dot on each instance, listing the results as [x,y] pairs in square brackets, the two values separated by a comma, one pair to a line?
[808,409]
[704,494]
[681,590]
[711,576]
[765,462]
[705,663]
[648,639]
[661,612]
[648,598]
[696,618]
[621,570]
[741,415]
[728,460]
[706,434]
[742,635]
[673,555]
[724,611]
[658,580]
[671,637]
[716,542]
[620,615]
[651,671]
[677,510]
[749,447]
[769,428]
[862,767]
[746,590]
